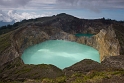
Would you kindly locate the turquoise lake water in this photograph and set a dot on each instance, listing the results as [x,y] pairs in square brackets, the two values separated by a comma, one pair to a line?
[60,53]
[80,35]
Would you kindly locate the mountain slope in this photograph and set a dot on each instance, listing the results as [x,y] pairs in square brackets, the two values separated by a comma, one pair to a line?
[108,40]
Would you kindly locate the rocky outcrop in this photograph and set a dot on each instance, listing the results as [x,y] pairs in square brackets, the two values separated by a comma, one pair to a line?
[114,62]
[105,42]
[83,66]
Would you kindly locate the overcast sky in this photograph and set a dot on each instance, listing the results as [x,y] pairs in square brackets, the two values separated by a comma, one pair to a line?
[25,9]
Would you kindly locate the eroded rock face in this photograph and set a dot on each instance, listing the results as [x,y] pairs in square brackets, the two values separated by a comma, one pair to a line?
[105,42]
[63,27]
[114,62]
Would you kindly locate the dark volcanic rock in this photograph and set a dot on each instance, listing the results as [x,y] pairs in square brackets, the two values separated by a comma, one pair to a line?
[84,66]
[15,70]
[114,62]
[85,71]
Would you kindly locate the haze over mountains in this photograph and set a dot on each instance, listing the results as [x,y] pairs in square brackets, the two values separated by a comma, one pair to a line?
[6,23]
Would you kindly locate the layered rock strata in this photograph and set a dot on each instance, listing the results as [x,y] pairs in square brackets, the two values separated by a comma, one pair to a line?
[105,41]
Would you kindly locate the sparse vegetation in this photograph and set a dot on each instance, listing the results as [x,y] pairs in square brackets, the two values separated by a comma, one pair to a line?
[5,41]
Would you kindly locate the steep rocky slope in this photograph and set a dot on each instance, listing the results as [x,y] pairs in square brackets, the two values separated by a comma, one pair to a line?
[108,40]
[64,27]
[105,42]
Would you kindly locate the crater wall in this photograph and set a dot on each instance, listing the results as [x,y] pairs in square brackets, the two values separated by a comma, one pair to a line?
[105,41]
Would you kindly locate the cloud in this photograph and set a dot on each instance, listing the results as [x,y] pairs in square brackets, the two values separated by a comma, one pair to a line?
[13,15]
[41,4]
[26,4]
[13,3]
[4,17]
[94,5]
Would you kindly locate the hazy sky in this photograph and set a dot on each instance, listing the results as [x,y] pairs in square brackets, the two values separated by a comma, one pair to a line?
[26,9]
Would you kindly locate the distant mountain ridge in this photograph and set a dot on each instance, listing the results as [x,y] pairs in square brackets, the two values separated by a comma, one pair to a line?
[6,23]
